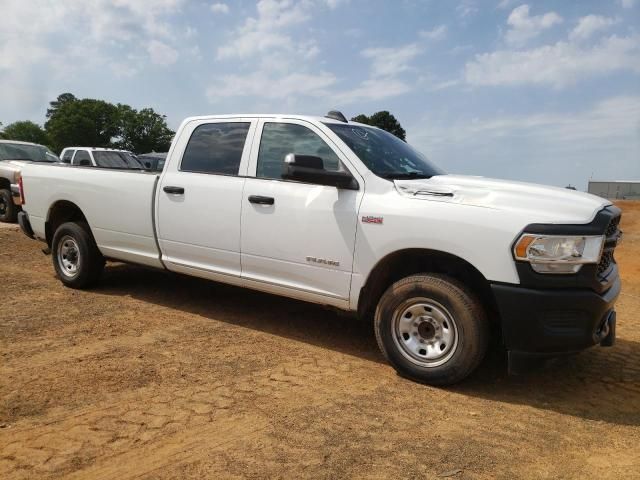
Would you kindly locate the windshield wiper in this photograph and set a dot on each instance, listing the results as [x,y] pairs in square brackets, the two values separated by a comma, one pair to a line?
[404,175]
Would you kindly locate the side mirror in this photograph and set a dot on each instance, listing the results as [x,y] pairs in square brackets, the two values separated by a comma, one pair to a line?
[310,169]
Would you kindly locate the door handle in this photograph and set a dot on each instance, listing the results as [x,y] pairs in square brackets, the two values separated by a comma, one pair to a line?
[174,190]
[261,200]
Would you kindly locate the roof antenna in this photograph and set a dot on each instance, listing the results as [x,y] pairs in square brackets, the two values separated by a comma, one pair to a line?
[336,115]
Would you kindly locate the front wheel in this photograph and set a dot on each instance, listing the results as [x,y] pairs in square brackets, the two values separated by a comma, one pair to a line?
[431,329]
[76,258]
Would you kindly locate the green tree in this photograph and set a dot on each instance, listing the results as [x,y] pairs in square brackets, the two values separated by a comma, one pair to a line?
[143,131]
[26,131]
[385,121]
[62,99]
[85,122]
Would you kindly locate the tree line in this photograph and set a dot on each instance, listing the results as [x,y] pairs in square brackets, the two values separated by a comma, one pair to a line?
[72,121]
[385,121]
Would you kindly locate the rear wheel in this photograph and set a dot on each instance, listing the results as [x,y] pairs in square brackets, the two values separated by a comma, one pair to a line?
[76,258]
[8,209]
[431,329]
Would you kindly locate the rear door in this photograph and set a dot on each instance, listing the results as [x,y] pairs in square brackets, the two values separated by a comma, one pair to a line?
[199,199]
[304,240]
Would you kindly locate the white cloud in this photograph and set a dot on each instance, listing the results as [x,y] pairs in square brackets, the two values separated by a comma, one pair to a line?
[556,148]
[589,25]
[332,4]
[438,33]
[219,7]
[27,38]
[63,38]
[558,65]
[617,117]
[505,4]
[383,81]
[444,84]
[279,87]
[389,61]
[523,27]
[371,89]
[269,39]
[161,53]
[267,31]
[466,8]
[628,3]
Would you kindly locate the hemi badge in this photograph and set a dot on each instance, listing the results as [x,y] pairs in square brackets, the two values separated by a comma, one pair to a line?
[372,219]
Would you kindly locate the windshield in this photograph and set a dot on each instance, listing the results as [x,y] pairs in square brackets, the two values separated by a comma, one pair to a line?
[33,153]
[106,159]
[385,154]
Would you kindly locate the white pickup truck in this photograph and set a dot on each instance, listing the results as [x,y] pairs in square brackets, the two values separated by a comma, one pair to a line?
[347,215]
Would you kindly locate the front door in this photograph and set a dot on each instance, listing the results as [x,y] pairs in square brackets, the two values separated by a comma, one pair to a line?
[297,236]
[199,199]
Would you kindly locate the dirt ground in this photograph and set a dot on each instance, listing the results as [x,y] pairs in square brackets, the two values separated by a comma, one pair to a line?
[152,375]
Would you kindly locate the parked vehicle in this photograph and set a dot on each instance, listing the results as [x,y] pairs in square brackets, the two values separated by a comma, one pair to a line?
[153,161]
[13,156]
[100,157]
[347,215]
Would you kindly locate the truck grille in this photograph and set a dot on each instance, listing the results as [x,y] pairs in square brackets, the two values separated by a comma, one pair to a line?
[612,234]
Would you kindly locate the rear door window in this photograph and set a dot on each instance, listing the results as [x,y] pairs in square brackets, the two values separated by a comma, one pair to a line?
[215,148]
[67,156]
[82,158]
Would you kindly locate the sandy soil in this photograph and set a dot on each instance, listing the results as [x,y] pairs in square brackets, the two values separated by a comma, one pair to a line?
[152,375]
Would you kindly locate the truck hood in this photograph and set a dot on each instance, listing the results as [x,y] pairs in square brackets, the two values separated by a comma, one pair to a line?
[540,203]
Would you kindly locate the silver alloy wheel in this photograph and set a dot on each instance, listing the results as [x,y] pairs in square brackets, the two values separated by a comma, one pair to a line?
[68,256]
[425,332]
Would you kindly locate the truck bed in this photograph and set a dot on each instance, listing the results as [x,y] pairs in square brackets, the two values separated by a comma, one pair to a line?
[119,206]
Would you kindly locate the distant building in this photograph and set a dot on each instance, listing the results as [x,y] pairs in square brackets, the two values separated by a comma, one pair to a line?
[623,190]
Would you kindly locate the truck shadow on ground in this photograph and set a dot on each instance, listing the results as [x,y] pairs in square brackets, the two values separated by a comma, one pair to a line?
[598,384]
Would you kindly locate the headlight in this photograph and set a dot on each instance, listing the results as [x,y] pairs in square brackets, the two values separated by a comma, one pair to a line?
[558,254]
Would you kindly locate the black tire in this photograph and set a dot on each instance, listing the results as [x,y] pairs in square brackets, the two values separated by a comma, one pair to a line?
[73,243]
[419,314]
[8,209]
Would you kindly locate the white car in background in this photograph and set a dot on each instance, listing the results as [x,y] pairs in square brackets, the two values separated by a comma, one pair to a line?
[100,157]
[14,155]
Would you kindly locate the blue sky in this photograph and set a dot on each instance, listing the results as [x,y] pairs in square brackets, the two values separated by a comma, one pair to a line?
[542,91]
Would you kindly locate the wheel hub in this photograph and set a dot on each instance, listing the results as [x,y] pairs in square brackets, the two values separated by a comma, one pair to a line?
[425,332]
[68,256]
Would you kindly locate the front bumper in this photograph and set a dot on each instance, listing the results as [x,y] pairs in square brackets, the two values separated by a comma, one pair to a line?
[549,322]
